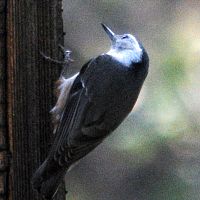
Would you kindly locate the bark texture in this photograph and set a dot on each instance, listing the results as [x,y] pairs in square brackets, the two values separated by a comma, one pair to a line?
[4,146]
[26,91]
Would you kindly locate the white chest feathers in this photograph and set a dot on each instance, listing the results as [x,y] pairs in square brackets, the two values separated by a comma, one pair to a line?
[126,56]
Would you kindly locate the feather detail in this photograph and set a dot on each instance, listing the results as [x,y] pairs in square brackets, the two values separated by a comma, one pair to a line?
[63,87]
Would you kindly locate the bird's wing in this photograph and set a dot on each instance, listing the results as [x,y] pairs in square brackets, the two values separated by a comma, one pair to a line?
[70,142]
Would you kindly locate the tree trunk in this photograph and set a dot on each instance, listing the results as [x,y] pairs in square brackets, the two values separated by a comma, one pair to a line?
[4,148]
[26,91]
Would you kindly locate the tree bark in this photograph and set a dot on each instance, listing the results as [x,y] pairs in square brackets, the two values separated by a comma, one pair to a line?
[4,147]
[26,91]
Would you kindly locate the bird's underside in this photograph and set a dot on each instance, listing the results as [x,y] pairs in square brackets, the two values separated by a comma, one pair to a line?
[63,87]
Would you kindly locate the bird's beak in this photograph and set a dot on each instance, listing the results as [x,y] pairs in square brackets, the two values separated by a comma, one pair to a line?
[111,34]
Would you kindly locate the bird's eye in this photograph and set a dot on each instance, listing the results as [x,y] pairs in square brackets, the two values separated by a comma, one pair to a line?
[125,36]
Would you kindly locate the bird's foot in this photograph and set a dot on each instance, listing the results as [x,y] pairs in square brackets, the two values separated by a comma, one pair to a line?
[66,57]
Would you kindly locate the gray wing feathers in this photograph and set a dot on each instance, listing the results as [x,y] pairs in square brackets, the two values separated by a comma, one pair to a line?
[81,126]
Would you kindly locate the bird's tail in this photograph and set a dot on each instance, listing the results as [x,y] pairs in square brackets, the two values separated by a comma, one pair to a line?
[47,179]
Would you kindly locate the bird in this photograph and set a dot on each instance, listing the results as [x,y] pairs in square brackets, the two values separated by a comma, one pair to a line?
[91,105]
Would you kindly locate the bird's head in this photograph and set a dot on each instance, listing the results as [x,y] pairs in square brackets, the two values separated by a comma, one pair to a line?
[124,42]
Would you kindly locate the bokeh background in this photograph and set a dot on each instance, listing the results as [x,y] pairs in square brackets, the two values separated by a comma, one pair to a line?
[155,153]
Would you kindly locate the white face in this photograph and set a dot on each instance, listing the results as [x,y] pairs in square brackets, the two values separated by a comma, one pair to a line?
[126,42]
[126,49]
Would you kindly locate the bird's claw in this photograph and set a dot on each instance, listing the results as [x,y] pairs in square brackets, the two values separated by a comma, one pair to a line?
[66,54]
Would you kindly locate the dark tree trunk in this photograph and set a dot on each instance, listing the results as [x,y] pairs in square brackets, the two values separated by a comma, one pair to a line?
[4,147]
[26,91]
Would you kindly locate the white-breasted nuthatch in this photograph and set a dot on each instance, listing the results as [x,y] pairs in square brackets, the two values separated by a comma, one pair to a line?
[91,104]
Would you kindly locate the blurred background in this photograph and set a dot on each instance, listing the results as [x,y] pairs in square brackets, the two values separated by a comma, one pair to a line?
[155,153]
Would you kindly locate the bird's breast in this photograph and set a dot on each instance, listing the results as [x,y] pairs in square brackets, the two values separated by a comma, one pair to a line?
[125,57]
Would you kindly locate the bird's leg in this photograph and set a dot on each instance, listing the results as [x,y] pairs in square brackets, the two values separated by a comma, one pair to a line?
[51,59]
[66,59]
[66,55]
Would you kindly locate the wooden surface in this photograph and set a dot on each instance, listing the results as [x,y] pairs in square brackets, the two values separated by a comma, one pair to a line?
[4,146]
[26,91]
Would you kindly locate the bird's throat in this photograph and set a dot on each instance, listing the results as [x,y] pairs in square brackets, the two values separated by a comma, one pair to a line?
[126,56]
